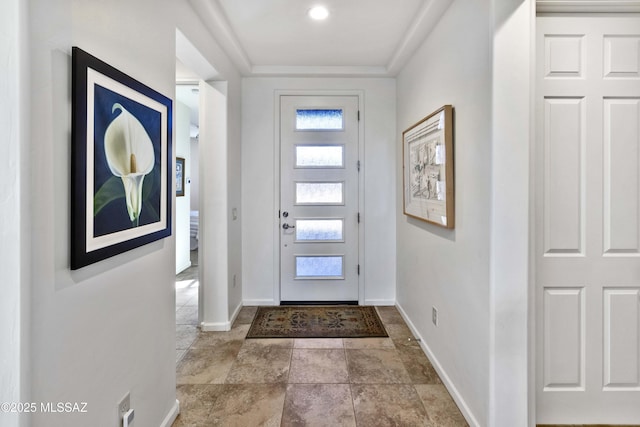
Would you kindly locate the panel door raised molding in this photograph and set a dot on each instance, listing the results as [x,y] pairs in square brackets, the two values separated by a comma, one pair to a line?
[587,220]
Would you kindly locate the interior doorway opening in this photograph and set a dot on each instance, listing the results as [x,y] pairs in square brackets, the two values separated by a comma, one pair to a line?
[187,222]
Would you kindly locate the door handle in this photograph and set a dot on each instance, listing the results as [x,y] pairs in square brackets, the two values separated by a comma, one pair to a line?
[287,226]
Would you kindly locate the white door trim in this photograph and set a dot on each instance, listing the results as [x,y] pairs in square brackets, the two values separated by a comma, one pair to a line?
[587,6]
[276,183]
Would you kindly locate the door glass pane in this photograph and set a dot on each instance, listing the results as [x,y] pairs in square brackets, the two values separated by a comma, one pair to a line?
[316,119]
[319,193]
[319,229]
[317,156]
[318,266]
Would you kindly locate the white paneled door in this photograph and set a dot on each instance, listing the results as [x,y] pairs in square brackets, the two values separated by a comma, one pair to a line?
[587,269]
[319,198]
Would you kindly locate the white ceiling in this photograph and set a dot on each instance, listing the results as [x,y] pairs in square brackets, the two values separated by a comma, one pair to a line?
[360,37]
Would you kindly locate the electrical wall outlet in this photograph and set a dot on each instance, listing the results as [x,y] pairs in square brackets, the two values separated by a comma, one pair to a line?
[127,419]
[123,407]
[434,316]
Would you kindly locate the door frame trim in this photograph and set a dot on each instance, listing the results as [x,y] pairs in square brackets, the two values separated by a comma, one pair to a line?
[589,6]
[276,191]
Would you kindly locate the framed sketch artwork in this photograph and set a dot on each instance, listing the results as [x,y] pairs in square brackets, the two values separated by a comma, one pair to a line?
[179,177]
[427,151]
[121,167]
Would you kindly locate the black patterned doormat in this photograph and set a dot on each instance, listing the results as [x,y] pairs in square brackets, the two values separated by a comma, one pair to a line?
[341,321]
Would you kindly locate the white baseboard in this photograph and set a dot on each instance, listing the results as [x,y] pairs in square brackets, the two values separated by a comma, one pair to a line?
[464,408]
[215,327]
[254,302]
[221,326]
[235,313]
[172,415]
[380,302]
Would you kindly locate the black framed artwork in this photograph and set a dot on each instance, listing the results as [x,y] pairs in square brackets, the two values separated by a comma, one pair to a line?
[179,177]
[121,166]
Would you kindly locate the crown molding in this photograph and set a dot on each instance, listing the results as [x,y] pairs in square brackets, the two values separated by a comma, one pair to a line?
[318,71]
[423,23]
[587,6]
[216,22]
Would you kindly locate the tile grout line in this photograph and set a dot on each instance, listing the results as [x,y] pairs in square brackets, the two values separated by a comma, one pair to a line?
[286,386]
[353,403]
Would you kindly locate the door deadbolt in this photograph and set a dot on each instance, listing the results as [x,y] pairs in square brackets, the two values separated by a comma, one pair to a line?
[285,214]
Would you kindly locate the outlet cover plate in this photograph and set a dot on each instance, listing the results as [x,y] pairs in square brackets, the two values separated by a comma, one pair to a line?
[123,407]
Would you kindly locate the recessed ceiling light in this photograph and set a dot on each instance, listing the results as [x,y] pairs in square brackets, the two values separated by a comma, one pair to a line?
[318,13]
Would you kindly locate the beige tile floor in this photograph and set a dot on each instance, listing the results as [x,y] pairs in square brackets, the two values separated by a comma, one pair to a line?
[225,380]
[187,307]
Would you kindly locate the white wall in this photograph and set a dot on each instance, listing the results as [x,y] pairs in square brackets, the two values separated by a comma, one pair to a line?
[14,309]
[214,272]
[512,392]
[193,174]
[234,197]
[183,226]
[449,269]
[259,148]
[108,328]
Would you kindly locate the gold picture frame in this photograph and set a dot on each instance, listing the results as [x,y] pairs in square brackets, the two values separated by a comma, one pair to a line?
[427,162]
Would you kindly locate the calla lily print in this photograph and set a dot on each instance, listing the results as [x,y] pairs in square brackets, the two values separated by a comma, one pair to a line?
[130,157]
[121,162]
[127,164]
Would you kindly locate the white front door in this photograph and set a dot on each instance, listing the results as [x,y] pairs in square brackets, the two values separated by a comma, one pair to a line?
[587,267]
[319,198]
